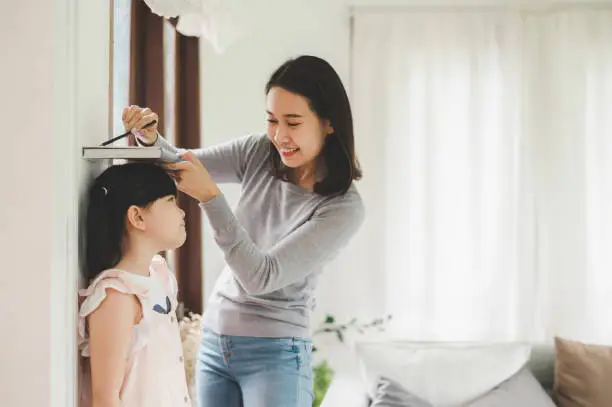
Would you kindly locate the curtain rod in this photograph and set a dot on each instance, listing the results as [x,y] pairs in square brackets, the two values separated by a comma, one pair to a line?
[521,8]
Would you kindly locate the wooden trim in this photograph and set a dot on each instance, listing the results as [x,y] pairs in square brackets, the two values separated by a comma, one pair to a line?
[147,60]
[188,258]
[147,89]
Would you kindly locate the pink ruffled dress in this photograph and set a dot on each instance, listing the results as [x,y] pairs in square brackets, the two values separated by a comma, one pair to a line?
[155,375]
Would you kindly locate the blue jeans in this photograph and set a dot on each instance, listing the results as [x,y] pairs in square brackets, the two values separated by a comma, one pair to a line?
[238,371]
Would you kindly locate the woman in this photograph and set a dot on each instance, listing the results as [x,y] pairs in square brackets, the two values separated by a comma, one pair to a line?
[297,210]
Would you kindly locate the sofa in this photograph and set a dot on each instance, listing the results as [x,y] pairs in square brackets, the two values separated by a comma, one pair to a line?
[349,389]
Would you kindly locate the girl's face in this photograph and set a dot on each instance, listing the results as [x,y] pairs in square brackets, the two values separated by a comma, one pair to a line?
[295,130]
[165,223]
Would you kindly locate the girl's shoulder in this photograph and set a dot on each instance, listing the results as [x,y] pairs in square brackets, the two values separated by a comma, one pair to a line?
[113,279]
[157,289]
[127,283]
[161,280]
[93,296]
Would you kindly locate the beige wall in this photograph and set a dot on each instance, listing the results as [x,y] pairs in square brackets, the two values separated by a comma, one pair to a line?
[25,213]
[54,92]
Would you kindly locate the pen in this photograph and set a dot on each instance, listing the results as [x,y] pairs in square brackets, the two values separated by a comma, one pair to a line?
[127,133]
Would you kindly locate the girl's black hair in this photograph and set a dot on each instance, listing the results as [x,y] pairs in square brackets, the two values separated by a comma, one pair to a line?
[317,81]
[108,199]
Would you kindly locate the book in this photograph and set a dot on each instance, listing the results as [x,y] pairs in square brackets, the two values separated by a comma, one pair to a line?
[125,153]
[129,153]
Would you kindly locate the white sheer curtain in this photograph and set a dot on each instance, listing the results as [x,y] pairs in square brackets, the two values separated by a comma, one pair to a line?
[483,138]
[121,64]
[570,94]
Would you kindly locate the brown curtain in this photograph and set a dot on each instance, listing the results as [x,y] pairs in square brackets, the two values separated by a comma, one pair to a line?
[147,60]
[187,135]
[147,89]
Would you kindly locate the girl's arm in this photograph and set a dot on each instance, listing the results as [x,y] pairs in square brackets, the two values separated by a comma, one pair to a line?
[110,336]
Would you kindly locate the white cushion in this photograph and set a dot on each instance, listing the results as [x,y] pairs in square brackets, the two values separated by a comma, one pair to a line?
[522,389]
[345,390]
[391,394]
[444,374]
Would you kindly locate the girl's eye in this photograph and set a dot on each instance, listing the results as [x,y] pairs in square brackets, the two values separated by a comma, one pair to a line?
[293,124]
[272,121]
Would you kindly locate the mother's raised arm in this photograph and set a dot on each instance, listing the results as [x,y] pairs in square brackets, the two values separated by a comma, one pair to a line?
[226,162]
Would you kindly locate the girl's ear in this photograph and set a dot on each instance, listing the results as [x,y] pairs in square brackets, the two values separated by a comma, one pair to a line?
[135,217]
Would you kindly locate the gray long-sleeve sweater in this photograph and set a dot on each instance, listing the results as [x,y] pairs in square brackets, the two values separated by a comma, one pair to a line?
[275,244]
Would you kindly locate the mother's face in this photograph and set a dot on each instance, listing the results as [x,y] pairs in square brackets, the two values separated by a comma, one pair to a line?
[295,130]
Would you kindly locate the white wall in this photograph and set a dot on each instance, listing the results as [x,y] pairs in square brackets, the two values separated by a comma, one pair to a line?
[55,86]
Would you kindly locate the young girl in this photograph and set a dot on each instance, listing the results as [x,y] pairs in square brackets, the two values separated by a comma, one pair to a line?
[128,334]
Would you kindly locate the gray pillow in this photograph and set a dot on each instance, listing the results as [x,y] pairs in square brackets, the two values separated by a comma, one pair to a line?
[522,389]
[390,394]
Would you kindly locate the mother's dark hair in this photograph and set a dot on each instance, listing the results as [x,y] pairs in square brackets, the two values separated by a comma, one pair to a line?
[317,81]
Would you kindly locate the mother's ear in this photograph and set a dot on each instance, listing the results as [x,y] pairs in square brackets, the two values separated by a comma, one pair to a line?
[327,127]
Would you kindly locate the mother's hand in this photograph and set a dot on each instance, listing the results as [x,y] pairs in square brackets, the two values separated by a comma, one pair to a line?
[141,122]
[193,179]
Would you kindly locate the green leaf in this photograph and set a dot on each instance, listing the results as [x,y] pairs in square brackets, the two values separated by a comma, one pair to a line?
[329,319]
[323,376]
